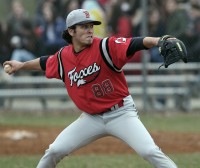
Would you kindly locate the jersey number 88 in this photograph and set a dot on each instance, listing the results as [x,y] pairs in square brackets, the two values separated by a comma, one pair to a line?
[105,87]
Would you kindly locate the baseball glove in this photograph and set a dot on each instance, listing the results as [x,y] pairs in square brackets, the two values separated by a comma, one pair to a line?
[172,50]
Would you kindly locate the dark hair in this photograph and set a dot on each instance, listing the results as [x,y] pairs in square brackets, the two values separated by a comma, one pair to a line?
[66,36]
[196,6]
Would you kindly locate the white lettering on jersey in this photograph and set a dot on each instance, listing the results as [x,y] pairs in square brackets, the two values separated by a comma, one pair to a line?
[120,40]
[77,77]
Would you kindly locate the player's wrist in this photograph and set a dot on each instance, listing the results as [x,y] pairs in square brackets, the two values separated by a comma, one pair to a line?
[150,42]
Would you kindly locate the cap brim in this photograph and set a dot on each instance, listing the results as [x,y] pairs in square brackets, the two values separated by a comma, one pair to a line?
[90,21]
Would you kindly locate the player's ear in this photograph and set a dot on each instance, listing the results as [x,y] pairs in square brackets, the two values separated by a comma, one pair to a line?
[66,36]
[71,31]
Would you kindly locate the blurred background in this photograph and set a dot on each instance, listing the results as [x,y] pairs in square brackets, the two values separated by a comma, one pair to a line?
[30,29]
[33,109]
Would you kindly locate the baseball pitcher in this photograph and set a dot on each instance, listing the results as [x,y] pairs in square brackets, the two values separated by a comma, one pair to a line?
[91,69]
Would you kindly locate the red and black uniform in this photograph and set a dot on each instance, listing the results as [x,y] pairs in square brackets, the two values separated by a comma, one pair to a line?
[93,77]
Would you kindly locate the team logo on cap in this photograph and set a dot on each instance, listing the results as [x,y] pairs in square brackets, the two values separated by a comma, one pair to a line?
[87,15]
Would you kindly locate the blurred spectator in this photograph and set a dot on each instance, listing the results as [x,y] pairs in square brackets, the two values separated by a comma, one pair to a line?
[25,44]
[137,14]
[196,19]
[56,3]
[5,52]
[21,36]
[192,36]
[17,16]
[5,48]
[195,2]
[49,27]
[104,3]
[155,23]
[67,6]
[120,20]
[97,13]
[176,18]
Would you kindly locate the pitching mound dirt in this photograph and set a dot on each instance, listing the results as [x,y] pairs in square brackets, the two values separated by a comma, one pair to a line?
[31,141]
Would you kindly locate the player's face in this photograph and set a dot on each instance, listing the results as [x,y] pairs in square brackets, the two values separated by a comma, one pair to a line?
[83,34]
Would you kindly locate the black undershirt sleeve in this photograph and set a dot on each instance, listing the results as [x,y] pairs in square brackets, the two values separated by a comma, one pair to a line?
[43,60]
[135,45]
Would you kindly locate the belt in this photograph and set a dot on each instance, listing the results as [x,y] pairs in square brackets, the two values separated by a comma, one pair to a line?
[118,105]
[115,107]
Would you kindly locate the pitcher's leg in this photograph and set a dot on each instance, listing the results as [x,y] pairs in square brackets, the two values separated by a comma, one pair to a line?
[81,132]
[130,129]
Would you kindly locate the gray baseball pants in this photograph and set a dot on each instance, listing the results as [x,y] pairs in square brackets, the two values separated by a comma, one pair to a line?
[122,123]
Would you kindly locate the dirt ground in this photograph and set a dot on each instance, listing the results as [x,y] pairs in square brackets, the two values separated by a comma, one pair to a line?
[29,141]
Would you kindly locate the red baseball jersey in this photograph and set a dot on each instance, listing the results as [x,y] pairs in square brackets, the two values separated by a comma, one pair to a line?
[93,77]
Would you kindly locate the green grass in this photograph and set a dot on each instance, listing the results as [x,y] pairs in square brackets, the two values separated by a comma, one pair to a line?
[100,161]
[180,122]
[36,119]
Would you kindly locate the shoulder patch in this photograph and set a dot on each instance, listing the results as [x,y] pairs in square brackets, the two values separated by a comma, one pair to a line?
[120,40]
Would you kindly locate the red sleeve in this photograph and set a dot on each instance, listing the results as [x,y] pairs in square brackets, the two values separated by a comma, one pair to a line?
[118,50]
[52,69]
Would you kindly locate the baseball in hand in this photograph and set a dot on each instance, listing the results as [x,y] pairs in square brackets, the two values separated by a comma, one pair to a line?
[7,68]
